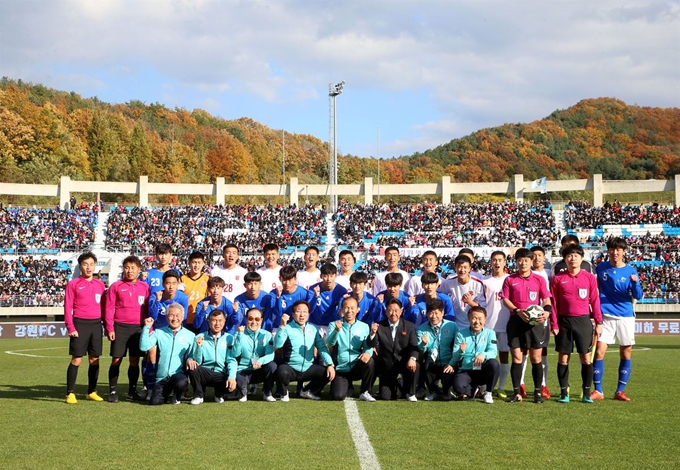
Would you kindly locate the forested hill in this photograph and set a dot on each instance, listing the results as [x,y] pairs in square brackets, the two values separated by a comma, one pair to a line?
[45,133]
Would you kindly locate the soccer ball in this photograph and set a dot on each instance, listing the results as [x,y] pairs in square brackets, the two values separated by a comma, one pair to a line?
[534,311]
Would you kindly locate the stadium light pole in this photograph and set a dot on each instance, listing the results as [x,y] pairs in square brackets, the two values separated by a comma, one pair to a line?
[378,165]
[283,165]
[334,89]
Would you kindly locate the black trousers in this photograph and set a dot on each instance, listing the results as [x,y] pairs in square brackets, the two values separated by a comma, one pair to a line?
[433,372]
[202,377]
[263,375]
[465,381]
[177,384]
[388,379]
[361,370]
[316,375]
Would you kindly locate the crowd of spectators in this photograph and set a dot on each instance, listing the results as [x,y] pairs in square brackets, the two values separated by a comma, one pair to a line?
[23,230]
[33,282]
[582,215]
[209,228]
[447,225]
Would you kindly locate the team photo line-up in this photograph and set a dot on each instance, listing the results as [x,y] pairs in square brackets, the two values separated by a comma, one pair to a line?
[420,336]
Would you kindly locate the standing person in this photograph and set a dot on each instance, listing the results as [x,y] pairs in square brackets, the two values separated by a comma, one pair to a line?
[561,265]
[283,298]
[127,305]
[577,303]
[397,344]
[475,353]
[538,267]
[297,340]
[326,300]
[230,272]
[311,274]
[256,361]
[369,306]
[270,271]
[253,297]
[619,285]
[83,312]
[498,315]
[154,276]
[465,291]
[174,343]
[521,290]
[392,258]
[215,301]
[471,256]
[349,339]
[394,281]
[430,261]
[430,284]
[212,360]
[346,260]
[195,285]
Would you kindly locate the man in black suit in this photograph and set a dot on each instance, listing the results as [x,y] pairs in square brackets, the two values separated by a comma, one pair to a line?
[397,345]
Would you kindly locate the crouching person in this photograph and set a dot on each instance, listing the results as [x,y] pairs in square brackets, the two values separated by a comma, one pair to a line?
[475,352]
[213,360]
[256,362]
[174,343]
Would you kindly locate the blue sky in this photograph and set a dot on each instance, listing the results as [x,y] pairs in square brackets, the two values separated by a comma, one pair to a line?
[424,72]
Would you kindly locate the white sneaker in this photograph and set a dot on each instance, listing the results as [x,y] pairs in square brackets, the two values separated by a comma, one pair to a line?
[196,401]
[430,397]
[411,398]
[366,396]
[488,398]
[309,394]
[219,400]
[268,397]
[244,398]
[284,398]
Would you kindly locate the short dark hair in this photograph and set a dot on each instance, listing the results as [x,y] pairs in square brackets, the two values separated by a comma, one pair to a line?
[476,308]
[300,302]
[429,278]
[393,300]
[217,312]
[394,279]
[434,304]
[347,252]
[196,255]
[523,253]
[462,259]
[617,242]
[170,273]
[87,255]
[252,276]
[328,268]
[132,259]
[569,239]
[162,248]
[536,248]
[391,248]
[287,272]
[311,248]
[270,247]
[215,281]
[358,277]
[573,249]
[496,253]
[229,245]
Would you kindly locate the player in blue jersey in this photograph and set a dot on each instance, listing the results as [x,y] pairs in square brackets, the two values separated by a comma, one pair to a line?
[215,301]
[394,281]
[283,298]
[429,284]
[327,298]
[154,276]
[253,297]
[369,306]
[619,284]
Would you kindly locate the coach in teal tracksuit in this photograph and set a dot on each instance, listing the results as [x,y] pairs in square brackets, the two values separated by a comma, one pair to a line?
[256,363]
[435,341]
[297,340]
[174,344]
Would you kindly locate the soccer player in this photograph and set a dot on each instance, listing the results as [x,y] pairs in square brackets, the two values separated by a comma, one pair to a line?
[231,272]
[310,275]
[346,260]
[392,258]
[215,301]
[430,284]
[394,281]
[576,303]
[253,297]
[619,284]
[154,276]
[297,340]
[475,353]
[271,268]
[284,298]
[174,343]
[435,341]
[127,305]
[195,285]
[538,267]
[397,344]
[83,312]
[521,290]
[369,307]
[498,315]
[256,362]
[353,355]
[471,256]
[160,300]
[212,360]
[465,291]
[430,261]
[327,299]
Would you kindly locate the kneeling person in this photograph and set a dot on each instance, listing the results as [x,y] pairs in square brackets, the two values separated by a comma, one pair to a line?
[256,363]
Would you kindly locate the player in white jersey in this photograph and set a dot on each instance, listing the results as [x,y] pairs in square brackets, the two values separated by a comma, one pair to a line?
[231,272]
[538,267]
[270,271]
[429,260]
[498,315]
[346,262]
[310,275]
[471,255]
[465,291]
[392,258]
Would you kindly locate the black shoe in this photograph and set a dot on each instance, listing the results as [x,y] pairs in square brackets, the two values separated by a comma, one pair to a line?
[515,398]
[113,397]
[538,398]
[134,396]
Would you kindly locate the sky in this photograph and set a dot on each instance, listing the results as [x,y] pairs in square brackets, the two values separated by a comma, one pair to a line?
[417,73]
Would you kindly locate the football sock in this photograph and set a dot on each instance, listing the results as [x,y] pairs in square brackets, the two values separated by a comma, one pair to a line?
[114,372]
[150,375]
[624,374]
[145,365]
[563,377]
[544,363]
[524,368]
[133,377]
[587,378]
[598,374]
[92,377]
[505,368]
[71,376]
[537,375]
[515,375]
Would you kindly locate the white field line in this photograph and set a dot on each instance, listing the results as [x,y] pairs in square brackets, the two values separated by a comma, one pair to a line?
[365,452]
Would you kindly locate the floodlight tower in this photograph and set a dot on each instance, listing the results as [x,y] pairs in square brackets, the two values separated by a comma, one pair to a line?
[334,89]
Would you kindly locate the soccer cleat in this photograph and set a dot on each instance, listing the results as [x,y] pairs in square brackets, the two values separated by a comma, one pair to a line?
[308,394]
[244,398]
[564,399]
[515,398]
[71,399]
[93,397]
[596,395]
[268,397]
[219,399]
[620,396]
[196,401]
[545,393]
[366,396]
[285,398]
[488,398]
[501,394]
[411,398]
[538,399]
[523,391]
[430,397]
[586,399]
[113,397]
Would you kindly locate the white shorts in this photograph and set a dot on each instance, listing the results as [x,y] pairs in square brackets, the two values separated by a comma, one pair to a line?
[502,341]
[621,328]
